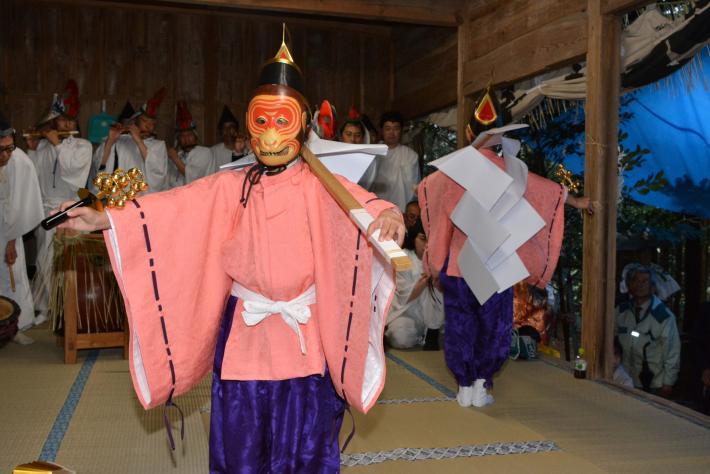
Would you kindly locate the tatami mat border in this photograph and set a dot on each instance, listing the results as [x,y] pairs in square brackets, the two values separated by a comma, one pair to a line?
[61,423]
[421,454]
[442,388]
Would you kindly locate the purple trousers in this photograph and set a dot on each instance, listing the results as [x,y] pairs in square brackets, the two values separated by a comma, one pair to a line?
[266,426]
[476,336]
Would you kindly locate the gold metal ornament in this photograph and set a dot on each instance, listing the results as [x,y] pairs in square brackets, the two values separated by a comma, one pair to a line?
[120,186]
[566,177]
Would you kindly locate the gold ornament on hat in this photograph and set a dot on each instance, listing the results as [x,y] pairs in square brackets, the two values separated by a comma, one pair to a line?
[485,112]
[283,55]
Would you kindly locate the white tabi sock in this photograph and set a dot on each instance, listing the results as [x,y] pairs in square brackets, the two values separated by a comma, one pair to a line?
[465,396]
[480,396]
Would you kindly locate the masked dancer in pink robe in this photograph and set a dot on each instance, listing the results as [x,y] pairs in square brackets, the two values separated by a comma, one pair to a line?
[477,336]
[259,275]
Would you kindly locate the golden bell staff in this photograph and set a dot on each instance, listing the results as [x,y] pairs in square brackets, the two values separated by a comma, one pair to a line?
[117,188]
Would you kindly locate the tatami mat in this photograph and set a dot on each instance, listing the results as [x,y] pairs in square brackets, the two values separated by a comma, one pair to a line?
[436,424]
[608,428]
[110,421]
[34,383]
[590,427]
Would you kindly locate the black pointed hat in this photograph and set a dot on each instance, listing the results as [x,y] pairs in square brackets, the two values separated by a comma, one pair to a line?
[281,69]
[126,113]
[227,117]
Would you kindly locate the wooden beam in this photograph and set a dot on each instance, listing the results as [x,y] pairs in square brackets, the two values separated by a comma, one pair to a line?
[618,7]
[422,12]
[160,6]
[558,43]
[511,19]
[600,173]
[429,83]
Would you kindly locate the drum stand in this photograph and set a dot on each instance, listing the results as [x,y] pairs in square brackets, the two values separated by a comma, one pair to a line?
[72,341]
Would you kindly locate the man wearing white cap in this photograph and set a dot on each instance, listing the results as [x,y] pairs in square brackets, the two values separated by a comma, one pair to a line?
[20,211]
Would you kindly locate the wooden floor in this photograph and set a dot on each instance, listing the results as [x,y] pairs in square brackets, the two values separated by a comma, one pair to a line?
[86,417]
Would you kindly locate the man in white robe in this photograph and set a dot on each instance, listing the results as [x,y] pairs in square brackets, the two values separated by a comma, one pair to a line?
[20,212]
[234,143]
[189,161]
[63,164]
[138,148]
[397,172]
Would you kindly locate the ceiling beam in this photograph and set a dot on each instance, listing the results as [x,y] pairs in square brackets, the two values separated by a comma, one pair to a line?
[420,12]
[158,6]
[558,43]
[618,7]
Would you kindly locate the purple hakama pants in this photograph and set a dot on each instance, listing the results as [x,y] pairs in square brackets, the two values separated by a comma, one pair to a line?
[476,337]
[282,426]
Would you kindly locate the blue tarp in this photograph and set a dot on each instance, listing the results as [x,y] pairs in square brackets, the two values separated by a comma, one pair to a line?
[672,121]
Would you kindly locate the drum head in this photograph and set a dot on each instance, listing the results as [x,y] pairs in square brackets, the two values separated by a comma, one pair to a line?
[9,310]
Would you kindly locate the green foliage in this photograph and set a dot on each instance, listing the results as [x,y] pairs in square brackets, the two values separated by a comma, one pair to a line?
[431,142]
[544,149]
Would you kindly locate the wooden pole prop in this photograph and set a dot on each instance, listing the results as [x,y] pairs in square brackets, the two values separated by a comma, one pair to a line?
[389,248]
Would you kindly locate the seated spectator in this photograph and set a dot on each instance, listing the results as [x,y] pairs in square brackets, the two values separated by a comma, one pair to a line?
[411,214]
[417,310]
[648,335]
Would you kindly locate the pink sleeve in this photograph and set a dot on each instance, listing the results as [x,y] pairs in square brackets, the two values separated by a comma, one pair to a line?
[433,196]
[165,252]
[541,253]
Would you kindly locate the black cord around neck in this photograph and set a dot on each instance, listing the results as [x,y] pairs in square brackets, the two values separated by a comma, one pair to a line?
[254,175]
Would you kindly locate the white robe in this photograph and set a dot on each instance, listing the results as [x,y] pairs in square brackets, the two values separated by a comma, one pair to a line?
[154,167]
[407,321]
[223,155]
[396,175]
[20,211]
[61,171]
[199,162]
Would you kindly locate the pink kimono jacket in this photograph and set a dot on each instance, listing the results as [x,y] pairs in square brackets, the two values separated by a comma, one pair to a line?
[438,196]
[177,253]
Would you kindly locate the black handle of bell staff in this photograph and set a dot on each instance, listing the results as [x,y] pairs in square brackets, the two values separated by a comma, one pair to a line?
[53,221]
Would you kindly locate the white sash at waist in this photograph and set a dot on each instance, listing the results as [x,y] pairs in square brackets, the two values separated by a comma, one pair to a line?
[258,307]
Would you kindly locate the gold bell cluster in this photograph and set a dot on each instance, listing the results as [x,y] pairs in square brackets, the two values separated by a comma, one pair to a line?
[120,186]
[566,177]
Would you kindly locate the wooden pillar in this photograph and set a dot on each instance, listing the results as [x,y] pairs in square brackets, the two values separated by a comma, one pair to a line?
[600,171]
[465,104]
